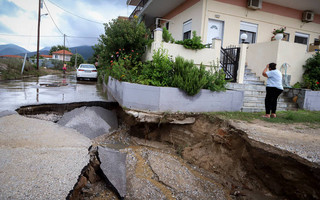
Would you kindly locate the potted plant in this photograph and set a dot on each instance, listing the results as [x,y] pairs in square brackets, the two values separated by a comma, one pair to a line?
[278,33]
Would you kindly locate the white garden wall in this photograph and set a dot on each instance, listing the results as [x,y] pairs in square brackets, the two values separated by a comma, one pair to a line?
[168,99]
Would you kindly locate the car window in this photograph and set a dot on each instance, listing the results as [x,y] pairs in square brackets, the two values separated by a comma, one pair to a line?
[87,66]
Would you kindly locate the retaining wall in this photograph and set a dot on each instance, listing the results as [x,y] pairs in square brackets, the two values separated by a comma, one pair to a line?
[168,99]
[307,99]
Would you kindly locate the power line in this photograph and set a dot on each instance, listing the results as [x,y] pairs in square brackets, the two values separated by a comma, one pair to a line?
[52,18]
[75,14]
[18,35]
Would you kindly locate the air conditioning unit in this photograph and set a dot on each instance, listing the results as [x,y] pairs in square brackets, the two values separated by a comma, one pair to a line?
[255,4]
[307,16]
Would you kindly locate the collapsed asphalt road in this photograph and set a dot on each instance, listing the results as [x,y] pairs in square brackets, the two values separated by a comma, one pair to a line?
[167,158]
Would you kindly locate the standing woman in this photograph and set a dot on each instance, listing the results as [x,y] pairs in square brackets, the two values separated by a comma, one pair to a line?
[274,89]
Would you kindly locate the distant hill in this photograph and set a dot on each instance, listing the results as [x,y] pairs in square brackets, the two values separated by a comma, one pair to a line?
[85,51]
[11,49]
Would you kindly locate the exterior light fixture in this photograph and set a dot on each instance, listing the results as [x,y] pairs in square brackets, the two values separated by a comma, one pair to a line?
[243,37]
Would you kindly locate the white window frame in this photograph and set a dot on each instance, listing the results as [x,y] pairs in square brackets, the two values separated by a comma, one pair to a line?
[187,27]
[303,35]
[249,27]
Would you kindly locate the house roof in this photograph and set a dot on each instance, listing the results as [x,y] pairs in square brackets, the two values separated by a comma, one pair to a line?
[61,52]
[11,56]
[46,56]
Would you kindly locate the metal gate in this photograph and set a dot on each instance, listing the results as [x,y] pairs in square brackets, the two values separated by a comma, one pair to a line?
[229,61]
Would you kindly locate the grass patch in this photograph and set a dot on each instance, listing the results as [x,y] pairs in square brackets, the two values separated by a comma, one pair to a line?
[244,116]
[11,69]
[287,117]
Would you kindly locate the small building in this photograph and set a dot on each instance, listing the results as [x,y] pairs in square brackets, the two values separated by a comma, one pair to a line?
[11,56]
[47,57]
[58,55]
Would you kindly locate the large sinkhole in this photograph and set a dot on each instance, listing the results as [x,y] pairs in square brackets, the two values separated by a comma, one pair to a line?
[186,156]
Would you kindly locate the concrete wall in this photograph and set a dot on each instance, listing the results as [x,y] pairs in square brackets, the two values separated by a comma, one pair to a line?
[309,100]
[206,56]
[232,15]
[176,23]
[163,99]
[295,55]
[280,52]
[233,12]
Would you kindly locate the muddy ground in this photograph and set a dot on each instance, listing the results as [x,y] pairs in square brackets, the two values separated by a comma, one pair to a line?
[208,159]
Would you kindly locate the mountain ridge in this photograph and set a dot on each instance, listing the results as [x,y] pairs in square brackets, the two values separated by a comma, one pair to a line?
[11,49]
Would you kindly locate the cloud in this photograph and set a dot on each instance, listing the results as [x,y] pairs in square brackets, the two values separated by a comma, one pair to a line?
[24,21]
[8,8]
[4,29]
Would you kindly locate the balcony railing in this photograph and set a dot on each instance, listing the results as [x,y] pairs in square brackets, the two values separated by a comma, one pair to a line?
[139,7]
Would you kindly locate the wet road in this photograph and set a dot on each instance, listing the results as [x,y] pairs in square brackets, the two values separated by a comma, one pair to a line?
[48,89]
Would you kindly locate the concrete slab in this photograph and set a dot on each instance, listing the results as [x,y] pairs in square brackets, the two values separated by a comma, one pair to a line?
[169,99]
[90,121]
[7,112]
[113,165]
[39,159]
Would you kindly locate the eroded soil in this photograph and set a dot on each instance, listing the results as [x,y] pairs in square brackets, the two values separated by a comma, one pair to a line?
[209,159]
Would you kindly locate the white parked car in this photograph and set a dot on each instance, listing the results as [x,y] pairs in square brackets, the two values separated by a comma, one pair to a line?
[87,71]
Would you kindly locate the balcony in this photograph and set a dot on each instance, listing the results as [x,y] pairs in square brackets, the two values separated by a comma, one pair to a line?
[139,6]
[151,9]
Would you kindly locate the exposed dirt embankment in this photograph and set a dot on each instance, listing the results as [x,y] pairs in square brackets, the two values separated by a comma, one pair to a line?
[245,167]
[200,157]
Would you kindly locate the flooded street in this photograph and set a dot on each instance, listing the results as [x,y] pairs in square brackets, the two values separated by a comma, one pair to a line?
[48,89]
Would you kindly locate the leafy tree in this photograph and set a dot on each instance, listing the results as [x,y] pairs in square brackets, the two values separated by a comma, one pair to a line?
[58,48]
[97,48]
[80,59]
[122,35]
[311,74]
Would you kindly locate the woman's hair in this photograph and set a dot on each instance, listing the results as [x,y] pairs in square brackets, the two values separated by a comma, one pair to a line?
[272,66]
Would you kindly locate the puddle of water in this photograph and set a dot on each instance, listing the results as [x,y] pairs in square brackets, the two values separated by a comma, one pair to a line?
[48,89]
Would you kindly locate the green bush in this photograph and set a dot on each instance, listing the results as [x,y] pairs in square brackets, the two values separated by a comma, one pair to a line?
[194,43]
[216,79]
[166,36]
[297,85]
[122,35]
[159,71]
[188,77]
[311,74]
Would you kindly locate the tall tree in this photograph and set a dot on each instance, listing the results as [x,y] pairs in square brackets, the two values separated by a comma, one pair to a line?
[122,35]
[80,59]
[58,48]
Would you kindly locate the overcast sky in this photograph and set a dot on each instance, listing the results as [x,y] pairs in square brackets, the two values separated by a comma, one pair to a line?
[18,21]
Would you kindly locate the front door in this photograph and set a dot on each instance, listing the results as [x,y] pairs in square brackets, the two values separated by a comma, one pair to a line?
[215,30]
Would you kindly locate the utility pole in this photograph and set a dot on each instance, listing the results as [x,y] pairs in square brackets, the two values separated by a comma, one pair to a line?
[39,15]
[64,44]
[75,63]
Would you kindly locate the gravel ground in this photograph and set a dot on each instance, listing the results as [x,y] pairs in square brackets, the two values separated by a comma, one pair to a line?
[299,139]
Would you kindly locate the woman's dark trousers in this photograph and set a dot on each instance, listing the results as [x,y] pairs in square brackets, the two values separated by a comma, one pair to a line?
[271,99]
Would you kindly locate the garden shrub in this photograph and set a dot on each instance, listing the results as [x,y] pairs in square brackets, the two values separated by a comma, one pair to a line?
[311,74]
[188,77]
[166,36]
[159,71]
[216,79]
[194,43]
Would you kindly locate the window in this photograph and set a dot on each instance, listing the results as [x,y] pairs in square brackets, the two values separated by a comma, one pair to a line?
[249,29]
[167,25]
[286,36]
[187,29]
[301,38]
